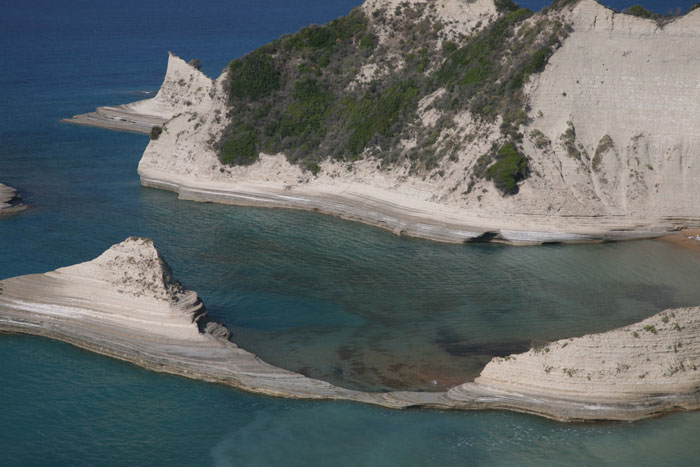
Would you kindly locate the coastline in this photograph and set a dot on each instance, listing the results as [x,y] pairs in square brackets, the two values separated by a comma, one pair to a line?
[381,209]
[118,118]
[10,201]
[686,238]
[414,218]
[126,305]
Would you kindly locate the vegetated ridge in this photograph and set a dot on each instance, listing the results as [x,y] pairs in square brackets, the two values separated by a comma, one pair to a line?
[353,88]
[452,120]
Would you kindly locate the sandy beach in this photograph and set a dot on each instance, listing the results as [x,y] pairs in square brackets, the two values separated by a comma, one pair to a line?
[686,238]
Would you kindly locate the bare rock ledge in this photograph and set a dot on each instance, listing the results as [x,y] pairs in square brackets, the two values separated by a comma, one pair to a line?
[10,200]
[125,304]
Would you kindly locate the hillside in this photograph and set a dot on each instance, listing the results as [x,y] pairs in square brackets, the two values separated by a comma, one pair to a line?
[453,120]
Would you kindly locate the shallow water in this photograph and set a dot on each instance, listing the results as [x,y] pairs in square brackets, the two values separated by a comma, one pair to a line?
[336,300]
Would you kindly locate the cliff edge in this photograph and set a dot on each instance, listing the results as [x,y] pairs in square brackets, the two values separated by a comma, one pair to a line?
[126,304]
[454,121]
[648,363]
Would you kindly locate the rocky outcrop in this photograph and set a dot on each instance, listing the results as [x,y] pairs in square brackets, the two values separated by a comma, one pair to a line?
[611,142]
[184,89]
[651,365]
[10,200]
[125,304]
[617,109]
[659,356]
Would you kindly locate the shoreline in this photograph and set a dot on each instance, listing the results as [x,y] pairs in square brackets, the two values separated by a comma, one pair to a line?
[10,201]
[126,305]
[681,239]
[258,377]
[118,118]
[418,221]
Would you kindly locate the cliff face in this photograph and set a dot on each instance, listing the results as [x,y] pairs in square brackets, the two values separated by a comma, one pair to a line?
[610,137]
[127,289]
[658,356]
[627,92]
[125,304]
[184,89]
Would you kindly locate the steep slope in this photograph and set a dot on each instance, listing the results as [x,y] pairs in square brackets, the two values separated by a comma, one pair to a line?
[645,363]
[454,121]
[618,104]
[185,88]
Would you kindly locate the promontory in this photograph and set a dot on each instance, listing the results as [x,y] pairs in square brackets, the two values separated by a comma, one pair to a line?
[10,200]
[127,305]
[452,120]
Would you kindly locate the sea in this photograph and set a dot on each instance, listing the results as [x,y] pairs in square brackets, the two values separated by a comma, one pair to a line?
[335,300]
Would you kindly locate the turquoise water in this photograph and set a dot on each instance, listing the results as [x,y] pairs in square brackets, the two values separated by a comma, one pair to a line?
[335,300]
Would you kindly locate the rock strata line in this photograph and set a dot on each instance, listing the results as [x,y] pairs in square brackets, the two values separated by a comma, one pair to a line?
[119,118]
[632,119]
[125,304]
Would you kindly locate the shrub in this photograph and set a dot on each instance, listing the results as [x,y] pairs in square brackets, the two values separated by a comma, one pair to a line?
[253,76]
[375,114]
[540,139]
[510,168]
[312,167]
[294,95]
[604,145]
[307,111]
[241,148]
[640,11]
[155,132]
[503,6]
[568,139]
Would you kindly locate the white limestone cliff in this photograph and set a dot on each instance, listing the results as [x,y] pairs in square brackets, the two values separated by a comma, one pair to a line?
[612,142]
[125,304]
[658,357]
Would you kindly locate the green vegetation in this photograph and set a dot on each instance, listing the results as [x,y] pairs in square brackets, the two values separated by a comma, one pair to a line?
[568,139]
[155,132]
[487,74]
[241,148]
[510,168]
[639,10]
[559,4]
[298,95]
[255,77]
[540,139]
[376,114]
[539,345]
[650,328]
[604,145]
[504,6]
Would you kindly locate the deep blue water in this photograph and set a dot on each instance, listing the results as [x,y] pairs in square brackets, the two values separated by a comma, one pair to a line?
[336,300]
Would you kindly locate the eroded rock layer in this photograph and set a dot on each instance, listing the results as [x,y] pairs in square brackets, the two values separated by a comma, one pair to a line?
[125,304]
[10,200]
[610,137]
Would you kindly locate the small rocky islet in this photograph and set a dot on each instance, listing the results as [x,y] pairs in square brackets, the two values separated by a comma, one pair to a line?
[126,304]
